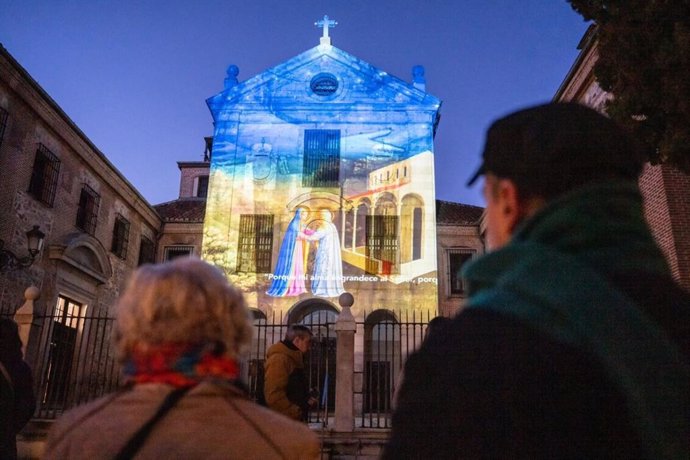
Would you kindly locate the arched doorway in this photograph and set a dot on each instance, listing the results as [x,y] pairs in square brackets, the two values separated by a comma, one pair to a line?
[319,316]
[412,223]
[382,360]
[71,330]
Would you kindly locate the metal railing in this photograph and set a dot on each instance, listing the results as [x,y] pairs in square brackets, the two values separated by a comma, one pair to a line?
[74,361]
[319,362]
[388,341]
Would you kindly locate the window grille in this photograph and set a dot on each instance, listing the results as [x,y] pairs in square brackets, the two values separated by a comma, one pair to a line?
[456,259]
[382,244]
[87,213]
[202,187]
[255,246]
[44,176]
[321,167]
[173,252]
[3,123]
[120,237]
[146,251]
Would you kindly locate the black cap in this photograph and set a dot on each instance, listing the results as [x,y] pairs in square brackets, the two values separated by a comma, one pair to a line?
[557,145]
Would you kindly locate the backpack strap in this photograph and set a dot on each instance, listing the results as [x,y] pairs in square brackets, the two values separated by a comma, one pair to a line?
[137,440]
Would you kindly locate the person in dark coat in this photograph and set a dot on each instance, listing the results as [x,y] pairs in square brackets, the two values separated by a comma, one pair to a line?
[17,401]
[575,339]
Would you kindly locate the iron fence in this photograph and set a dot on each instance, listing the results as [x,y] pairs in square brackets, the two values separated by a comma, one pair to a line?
[319,362]
[389,339]
[74,360]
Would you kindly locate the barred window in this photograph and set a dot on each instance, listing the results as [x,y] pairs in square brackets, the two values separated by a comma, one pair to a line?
[173,252]
[87,213]
[44,176]
[255,245]
[457,257]
[120,237]
[3,123]
[202,186]
[382,244]
[146,251]
[321,167]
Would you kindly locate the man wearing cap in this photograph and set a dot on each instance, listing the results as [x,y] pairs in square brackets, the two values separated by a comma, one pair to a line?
[574,342]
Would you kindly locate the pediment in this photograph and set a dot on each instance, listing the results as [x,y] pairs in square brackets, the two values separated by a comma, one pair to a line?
[84,253]
[294,84]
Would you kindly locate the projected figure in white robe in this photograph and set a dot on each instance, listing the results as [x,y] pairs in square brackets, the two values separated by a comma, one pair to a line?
[327,278]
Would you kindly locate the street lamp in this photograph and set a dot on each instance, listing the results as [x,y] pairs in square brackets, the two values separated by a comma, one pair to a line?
[10,261]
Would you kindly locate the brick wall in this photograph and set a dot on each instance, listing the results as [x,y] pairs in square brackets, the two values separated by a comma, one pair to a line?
[666,193]
[187,177]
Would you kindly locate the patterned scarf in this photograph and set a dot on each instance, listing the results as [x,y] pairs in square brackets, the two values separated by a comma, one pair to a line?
[179,364]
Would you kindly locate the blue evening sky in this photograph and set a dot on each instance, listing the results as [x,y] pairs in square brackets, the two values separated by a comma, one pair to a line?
[134,75]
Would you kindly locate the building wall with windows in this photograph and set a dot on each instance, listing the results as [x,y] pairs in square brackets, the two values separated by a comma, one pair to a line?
[460,240]
[183,218]
[665,189]
[94,220]
[322,182]
[182,229]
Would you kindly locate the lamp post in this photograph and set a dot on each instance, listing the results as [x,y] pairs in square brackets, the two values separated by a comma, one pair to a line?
[10,261]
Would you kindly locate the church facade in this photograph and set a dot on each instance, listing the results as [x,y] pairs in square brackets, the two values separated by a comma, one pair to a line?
[322,182]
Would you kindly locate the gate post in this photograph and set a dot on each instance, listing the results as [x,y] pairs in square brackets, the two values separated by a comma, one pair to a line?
[345,366]
[24,316]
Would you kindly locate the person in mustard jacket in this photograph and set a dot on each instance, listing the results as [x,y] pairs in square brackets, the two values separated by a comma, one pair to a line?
[286,388]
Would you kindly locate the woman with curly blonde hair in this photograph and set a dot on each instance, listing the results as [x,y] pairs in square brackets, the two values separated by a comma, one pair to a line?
[180,330]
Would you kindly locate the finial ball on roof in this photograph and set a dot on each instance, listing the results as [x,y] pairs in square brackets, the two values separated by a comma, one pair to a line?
[233,71]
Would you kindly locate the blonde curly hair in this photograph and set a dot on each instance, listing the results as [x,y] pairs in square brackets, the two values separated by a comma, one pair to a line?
[183,301]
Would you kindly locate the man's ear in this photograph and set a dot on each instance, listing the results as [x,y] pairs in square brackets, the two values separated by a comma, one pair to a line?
[510,204]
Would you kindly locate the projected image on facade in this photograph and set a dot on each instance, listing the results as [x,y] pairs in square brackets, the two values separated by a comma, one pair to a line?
[289,276]
[322,182]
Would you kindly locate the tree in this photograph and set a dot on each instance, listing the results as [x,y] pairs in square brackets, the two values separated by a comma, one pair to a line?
[644,61]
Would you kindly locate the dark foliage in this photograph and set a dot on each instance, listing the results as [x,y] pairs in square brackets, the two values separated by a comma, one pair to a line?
[644,61]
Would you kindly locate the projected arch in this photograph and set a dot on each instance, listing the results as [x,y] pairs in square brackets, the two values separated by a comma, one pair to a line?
[411,227]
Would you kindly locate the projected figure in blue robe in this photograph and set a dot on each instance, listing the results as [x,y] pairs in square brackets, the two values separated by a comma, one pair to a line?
[327,279]
[288,278]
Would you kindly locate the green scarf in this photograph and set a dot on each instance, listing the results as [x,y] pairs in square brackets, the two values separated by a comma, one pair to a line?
[550,277]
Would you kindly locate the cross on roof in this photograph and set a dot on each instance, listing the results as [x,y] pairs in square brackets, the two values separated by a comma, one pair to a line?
[326,24]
